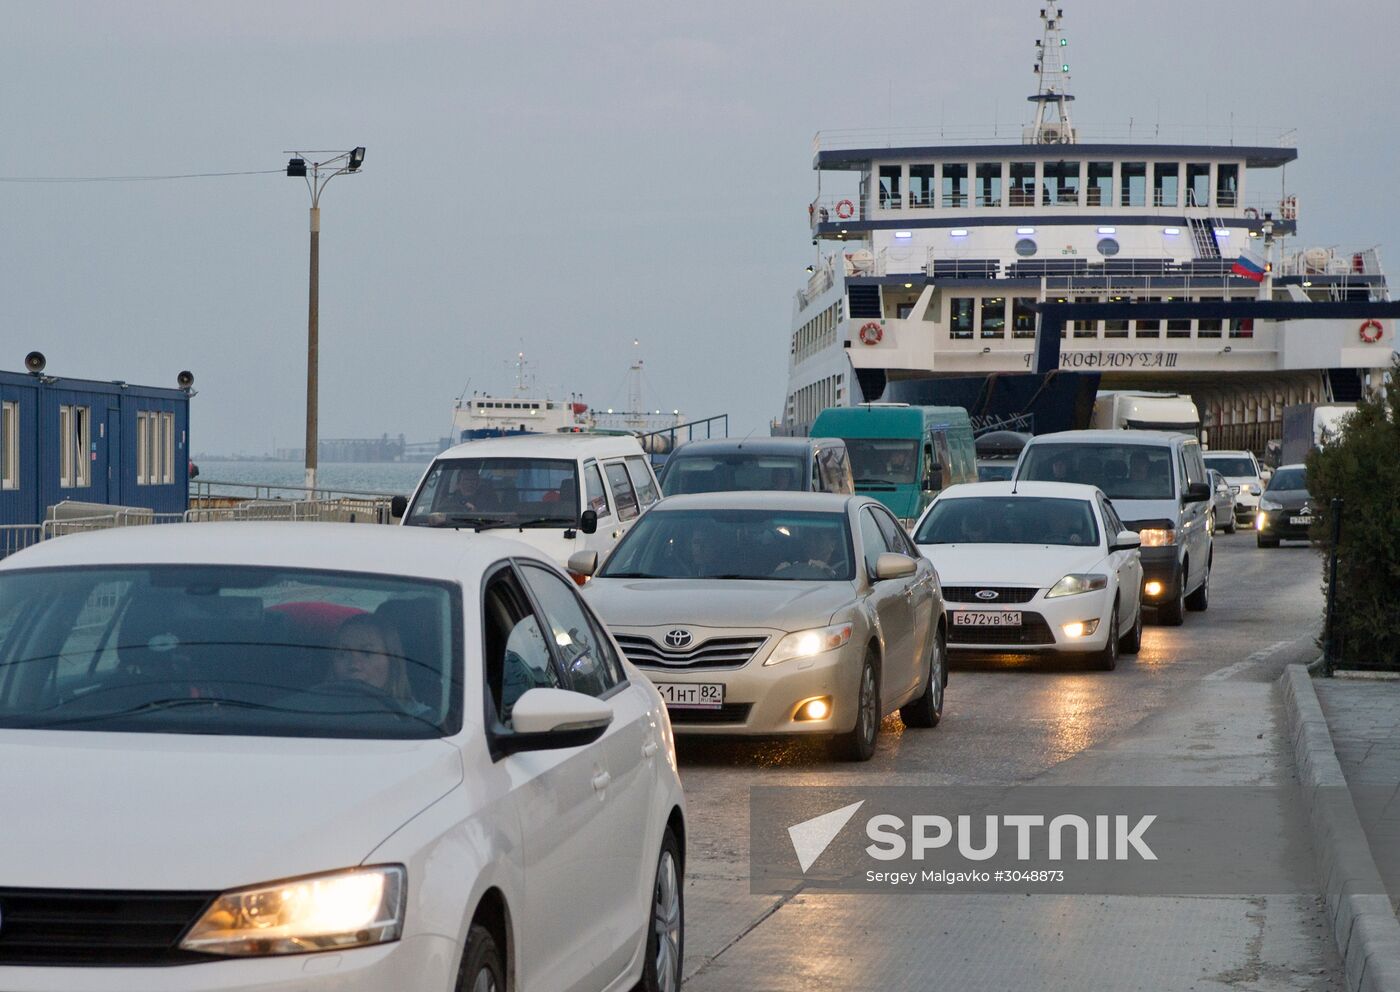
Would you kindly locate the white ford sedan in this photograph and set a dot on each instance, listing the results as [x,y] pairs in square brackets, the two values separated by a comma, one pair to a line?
[318,756]
[1035,567]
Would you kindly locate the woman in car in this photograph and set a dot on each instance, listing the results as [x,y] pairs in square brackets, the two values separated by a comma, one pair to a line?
[368,651]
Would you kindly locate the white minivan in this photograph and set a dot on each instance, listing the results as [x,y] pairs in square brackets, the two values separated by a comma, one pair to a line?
[560,493]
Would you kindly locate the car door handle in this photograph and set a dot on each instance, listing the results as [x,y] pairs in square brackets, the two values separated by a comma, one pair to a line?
[600,781]
[649,749]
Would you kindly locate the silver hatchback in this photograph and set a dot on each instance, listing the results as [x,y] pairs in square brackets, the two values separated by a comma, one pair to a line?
[777,613]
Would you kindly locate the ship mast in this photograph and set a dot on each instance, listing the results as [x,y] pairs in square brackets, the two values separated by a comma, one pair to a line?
[1052,123]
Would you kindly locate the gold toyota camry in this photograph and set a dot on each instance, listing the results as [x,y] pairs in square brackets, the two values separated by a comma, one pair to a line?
[777,613]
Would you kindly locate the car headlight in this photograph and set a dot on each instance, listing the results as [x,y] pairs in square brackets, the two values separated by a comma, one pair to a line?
[1073,585]
[807,643]
[1268,504]
[337,910]
[1157,537]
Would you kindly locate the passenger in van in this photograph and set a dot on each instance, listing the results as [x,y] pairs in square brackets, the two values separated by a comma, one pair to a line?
[368,650]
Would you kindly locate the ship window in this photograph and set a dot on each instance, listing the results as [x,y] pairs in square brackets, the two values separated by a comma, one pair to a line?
[1178,327]
[954,185]
[1149,328]
[1061,184]
[1086,328]
[1209,327]
[1100,189]
[960,318]
[889,187]
[1241,327]
[1026,247]
[989,184]
[1198,184]
[993,317]
[1227,185]
[922,182]
[1108,246]
[1022,190]
[1165,178]
[1022,317]
[1116,328]
[1134,184]
[9,445]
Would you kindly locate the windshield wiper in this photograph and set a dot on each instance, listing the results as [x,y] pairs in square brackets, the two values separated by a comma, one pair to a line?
[635,575]
[157,705]
[874,482]
[522,524]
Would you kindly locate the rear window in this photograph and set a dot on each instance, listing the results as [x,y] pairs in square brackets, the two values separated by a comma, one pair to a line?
[1231,466]
[1122,471]
[231,651]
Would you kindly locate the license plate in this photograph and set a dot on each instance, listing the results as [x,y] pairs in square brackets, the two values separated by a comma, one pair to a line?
[983,618]
[692,695]
[1300,521]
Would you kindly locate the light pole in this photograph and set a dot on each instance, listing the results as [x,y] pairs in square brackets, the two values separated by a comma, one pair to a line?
[319,174]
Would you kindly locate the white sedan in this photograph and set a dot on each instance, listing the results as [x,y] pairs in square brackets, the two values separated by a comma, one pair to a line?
[1035,567]
[319,756]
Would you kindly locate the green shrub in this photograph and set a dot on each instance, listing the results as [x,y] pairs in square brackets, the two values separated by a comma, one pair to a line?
[1362,467]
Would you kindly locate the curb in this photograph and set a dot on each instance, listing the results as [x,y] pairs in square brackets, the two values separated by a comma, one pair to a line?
[1363,921]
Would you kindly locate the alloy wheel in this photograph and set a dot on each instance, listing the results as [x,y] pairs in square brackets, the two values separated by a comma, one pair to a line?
[666,923]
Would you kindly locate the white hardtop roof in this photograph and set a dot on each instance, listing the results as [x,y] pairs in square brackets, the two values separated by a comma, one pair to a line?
[760,500]
[563,445]
[1061,490]
[1110,437]
[417,552]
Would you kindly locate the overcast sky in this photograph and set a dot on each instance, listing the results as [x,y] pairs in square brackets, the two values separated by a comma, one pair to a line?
[560,177]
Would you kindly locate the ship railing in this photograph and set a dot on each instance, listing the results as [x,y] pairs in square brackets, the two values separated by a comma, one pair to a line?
[1129,133]
[345,509]
[1331,261]
[1222,204]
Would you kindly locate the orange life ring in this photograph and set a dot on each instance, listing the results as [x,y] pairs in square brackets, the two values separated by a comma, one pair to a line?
[871,333]
[1371,331]
[1251,213]
[845,209]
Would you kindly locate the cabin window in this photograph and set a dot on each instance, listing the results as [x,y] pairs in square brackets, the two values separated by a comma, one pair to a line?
[1022,317]
[1209,327]
[1227,185]
[1149,328]
[989,184]
[1061,184]
[1198,184]
[922,183]
[993,317]
[1086,328]
[75,464]
[1178,327]
[954,184]
[9,445]
[1165,178]
[1100,188]
[1022,189]
[889,187]
[155,448]
[1116,328]
[1134,184]
[960,318]
[1241,327]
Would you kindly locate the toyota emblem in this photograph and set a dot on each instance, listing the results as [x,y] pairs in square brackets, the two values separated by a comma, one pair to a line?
[678,638]
[987,594]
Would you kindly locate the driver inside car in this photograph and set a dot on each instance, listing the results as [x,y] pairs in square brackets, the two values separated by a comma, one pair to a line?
[816,557]
[367,651]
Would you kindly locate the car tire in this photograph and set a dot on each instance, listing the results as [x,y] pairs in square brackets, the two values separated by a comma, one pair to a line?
[859,743]
[1131,642]
[1173,613]
[1107,659]
[1267,542]
[665,955]
[481,969]
[1199,601]
[1231,529]
[927,710]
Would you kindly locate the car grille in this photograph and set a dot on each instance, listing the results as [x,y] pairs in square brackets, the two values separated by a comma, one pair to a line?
[1005,594]
[95,928]
[1033,630]
[728,713]
[717,652]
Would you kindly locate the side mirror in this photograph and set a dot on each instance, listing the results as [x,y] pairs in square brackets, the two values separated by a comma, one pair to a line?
[583,562]
[1125,541]
[1196,492]
[547,719]
[398,506]
[894,566]
[588,522]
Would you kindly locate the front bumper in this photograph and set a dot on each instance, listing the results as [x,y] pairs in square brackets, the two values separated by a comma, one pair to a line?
[1279,524]
[1160,566]
[1042,629]
[419,962]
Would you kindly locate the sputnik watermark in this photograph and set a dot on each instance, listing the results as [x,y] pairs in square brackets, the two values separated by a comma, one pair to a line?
[933,832]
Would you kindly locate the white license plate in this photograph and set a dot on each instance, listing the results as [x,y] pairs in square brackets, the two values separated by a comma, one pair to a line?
[1300,521]
[983,618]
[692,695]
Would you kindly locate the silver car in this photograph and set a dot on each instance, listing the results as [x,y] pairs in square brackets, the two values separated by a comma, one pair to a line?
[777,613]
[1222,505]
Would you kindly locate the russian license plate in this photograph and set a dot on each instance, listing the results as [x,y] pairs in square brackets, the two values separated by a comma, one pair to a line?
[692,695]
[986,618]
[1300,521]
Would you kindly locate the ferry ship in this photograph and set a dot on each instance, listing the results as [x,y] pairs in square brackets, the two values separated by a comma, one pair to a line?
[935,249]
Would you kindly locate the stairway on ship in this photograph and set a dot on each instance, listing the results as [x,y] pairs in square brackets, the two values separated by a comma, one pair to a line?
[1203,237]
[1345,385]
[865,301]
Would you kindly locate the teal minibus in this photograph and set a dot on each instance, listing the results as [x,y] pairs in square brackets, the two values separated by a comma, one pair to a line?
[903,455]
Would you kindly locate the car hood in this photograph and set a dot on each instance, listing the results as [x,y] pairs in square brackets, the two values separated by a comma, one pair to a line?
[717,602]
[1036,565]
[1289,499]
[549,541]
[167,811]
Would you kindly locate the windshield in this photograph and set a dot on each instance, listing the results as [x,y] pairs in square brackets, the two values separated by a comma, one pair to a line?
[1128,471]
[1288,478]
[1009,520]
[1232,466]
[883,461]
[735,544]
[536,492]
[733,471]
[205,649]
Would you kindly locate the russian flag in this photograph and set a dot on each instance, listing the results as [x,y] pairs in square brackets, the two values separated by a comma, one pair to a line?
[1249,265]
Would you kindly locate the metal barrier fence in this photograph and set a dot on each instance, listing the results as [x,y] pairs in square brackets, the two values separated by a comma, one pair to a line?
[17,537]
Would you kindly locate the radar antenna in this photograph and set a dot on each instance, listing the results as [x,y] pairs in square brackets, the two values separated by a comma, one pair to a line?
[1052,123]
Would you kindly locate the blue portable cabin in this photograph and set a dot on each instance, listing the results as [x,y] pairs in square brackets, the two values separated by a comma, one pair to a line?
[98,442]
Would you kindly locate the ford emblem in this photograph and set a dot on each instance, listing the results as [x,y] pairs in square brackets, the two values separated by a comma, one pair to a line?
[678,638]
[987,594]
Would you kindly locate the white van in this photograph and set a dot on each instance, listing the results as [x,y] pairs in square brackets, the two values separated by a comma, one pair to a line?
[561,493]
